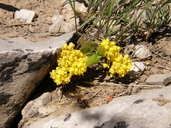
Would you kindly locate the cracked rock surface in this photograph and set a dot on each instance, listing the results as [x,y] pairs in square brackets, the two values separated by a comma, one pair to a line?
[23,65]
[146,110]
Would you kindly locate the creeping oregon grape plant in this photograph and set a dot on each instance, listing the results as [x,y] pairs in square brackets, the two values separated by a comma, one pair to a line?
[75,62]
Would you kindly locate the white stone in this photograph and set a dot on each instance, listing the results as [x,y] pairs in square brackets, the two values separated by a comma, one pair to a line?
[138,67]
[142,52]
[61,26]
[69,18]
[57,16]
[68,14]
[78,6]
[25,15]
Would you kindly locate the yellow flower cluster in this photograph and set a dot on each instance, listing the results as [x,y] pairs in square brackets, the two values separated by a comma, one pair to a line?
[71,62]
[120,64]
[111,50]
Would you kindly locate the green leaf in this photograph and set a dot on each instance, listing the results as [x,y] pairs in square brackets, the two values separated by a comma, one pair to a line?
[85,43]
[100,51]
[94,59]
[110,7]
[89,44]
[86,46]
[82,42]
[85,50]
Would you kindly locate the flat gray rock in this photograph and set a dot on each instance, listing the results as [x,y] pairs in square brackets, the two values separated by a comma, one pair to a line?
[148,109]
[31,109]
[159,79]
[22,67]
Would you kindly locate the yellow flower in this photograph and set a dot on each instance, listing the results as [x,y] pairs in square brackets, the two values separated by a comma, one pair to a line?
[83,88]
[147,63]
[64,47]
[111,50]
[70,62]
[105,42]
[105,65]
[119,58]
[121,67]
[58,106]
[120,64]
[71,46]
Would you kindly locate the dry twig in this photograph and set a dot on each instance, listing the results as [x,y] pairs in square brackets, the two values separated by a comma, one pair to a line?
[18,24]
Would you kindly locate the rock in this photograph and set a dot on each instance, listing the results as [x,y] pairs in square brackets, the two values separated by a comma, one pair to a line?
[69,18]
[166,48]
[68,13]
[140,110]
[78,6]
[136,70]
[23,65]
[46,110]
[159,79]
[25,15]
[138,67]
[57,16]
[142,52]
[61,26]
[65,22]
[31,109]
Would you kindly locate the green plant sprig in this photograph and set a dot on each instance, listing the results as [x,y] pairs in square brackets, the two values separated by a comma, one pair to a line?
[105,15]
